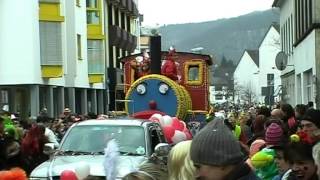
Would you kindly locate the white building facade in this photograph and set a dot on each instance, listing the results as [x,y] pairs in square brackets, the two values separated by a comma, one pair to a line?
[256,78]
[55,54]
[299,24]
[269,75]
[246,79]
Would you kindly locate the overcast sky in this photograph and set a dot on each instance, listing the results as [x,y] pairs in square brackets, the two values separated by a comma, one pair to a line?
[184,11]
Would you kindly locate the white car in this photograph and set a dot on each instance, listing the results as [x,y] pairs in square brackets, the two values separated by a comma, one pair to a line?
[85,142]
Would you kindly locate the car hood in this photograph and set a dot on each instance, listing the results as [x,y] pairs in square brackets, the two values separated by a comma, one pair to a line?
[126,164]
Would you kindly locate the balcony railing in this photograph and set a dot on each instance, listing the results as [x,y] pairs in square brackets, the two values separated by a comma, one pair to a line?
[115,35]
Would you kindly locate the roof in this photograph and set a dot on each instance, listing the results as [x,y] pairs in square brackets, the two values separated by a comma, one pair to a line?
[275,25]
[276,3]
[207,58]
[219,81]
[122,122]
[146,31]
[254,54]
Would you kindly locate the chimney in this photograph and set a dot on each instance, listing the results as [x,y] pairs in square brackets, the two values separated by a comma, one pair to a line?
[155,54]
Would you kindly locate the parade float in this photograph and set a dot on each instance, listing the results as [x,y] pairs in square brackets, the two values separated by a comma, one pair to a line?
[169,83]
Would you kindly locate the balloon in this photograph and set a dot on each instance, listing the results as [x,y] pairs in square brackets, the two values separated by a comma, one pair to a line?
[177,124]
[82,170]
[68,175]
[167,120]
[157,117]
[154,119]
[294,138]
[178,137]
[188,134]
[168,132]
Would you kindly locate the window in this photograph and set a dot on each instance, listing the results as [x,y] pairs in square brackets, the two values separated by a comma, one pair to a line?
[93,17]
[194,73]
[308,86]
[303,18]
[92,3]
[78,3]
[219,97]
[155,140]
[218,88]
[79,46]
[270,79]
[93,12]
[93,138]
[95,57]
[50,43]
[4,98]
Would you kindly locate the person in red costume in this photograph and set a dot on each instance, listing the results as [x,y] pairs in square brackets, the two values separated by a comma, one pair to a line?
[169,68]
[141,65]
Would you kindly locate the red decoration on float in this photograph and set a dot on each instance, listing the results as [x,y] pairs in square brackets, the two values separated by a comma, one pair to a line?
[68,175]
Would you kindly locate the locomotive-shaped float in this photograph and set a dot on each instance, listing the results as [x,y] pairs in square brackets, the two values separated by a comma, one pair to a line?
[180,90]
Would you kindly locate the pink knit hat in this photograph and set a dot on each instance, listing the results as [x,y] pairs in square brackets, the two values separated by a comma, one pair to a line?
[274,134]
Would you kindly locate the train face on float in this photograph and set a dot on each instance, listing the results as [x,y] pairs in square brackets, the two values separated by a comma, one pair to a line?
[180,90]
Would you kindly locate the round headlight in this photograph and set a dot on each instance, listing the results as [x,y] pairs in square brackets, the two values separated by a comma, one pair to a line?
[141,89]
[163,88]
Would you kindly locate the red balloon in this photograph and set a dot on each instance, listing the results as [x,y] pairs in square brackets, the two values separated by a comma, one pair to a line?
[177,124]
[68,175]
[188,134]
[168,132]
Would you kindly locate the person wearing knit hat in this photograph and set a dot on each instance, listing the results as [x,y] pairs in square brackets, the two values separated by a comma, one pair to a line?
[310,124]
[217,155]
[273,135]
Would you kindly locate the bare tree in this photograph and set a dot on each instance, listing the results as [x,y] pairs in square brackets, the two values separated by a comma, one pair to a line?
[248,95]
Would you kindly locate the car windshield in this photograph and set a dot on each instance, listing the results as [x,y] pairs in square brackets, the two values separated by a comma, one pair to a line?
[93,139]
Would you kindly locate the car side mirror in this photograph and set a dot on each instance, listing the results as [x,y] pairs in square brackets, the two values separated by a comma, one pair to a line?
[48,148]
[162,149]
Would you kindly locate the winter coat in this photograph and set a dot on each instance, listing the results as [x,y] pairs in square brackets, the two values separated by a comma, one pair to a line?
[242,172]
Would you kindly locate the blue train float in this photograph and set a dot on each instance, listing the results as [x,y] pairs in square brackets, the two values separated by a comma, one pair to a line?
[180,89]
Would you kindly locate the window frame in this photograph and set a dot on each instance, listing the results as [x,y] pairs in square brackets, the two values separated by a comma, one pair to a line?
[95,49]
[78,3]
[188,65]
[97,10]
[79,47]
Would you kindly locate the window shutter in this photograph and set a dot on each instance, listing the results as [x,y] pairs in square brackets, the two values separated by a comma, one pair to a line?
[50,43]
[95,57]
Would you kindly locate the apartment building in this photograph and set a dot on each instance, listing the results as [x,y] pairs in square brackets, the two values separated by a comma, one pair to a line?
[300,41]
[56,54]
[124,30]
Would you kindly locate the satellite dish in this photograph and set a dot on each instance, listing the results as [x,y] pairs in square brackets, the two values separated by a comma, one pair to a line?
[281,61]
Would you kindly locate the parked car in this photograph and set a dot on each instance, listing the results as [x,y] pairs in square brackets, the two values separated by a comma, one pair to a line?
[85,142]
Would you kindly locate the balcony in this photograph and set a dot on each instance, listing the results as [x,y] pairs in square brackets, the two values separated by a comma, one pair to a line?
[115,35]
[124,39]
[129,44]
[123,5]
[129,7]
[114,2]
[132,43]
[135,10]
